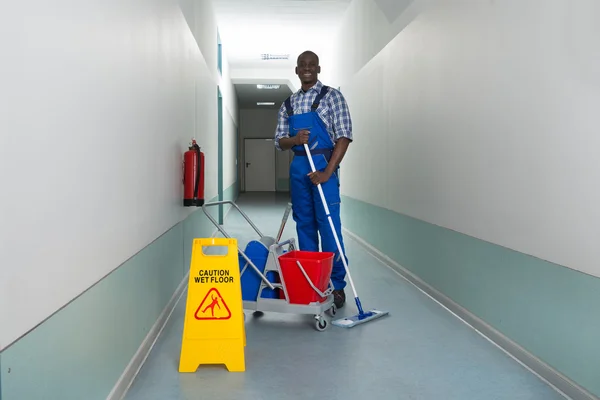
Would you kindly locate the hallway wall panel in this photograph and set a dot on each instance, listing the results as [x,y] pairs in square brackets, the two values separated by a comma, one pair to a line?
[104,99]
[474,160]
[486,125]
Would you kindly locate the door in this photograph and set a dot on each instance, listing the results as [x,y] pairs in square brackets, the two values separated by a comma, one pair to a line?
[260,165]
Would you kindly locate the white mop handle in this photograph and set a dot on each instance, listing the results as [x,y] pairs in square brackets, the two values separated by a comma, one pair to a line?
[335,236]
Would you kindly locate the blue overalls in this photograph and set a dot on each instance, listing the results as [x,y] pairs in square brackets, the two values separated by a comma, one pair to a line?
[307,209]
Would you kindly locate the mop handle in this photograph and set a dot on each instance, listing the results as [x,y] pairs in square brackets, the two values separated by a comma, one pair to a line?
[286,215]
[337,241]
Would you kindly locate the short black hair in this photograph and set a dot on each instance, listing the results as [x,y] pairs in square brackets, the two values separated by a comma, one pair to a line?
[308,52]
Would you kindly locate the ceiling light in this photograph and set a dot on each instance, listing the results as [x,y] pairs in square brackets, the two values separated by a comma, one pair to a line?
[268,86]
[265,103]
[274,56]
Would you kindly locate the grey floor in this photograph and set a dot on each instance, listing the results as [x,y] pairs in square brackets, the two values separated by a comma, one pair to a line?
[419,351]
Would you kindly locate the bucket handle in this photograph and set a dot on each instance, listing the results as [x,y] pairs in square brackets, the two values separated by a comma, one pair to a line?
[327,292]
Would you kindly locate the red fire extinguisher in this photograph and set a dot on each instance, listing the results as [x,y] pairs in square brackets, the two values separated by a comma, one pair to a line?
[193,176]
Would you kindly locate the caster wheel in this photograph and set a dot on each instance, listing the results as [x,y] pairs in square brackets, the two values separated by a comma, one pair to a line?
[332,311]
[321,324]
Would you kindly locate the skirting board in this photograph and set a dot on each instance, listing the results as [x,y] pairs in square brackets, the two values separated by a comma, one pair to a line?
[136,363]
[133,368]
[555,379]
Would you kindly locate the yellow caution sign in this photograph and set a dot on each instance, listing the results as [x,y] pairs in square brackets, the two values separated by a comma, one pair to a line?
[213,330]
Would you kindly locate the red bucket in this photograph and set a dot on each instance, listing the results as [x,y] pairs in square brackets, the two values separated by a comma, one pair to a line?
[317,265]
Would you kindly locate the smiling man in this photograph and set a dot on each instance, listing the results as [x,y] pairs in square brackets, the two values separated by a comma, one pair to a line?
[318,116]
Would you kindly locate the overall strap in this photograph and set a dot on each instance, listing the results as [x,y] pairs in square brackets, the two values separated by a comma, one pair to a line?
[288,106]
[319,97]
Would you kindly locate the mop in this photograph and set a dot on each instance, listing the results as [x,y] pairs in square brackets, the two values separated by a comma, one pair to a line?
[362,316]
[286,215]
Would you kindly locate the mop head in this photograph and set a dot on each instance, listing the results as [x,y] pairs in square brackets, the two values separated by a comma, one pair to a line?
[349,322]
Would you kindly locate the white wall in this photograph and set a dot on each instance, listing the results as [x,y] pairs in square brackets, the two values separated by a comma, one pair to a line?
[257,123]
[92,137]
[366,28]
[230,123]
[200,16]
[482,117]
[229,150]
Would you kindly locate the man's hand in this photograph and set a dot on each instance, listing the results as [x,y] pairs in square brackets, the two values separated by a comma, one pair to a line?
[319,177]
[301,138]
[338,153]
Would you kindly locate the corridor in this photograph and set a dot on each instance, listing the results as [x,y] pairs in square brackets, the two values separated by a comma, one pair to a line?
[420,351]
[467,192]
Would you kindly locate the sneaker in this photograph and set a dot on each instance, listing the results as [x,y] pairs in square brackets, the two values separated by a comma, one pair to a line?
[339,298]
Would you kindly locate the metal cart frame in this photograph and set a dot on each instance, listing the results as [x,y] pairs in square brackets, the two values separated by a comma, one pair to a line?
[322,311]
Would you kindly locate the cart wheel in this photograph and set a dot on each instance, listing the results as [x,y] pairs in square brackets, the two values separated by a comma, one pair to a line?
[332,311]
[321,324]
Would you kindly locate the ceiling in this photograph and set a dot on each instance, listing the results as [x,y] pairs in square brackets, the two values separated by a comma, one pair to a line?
[249,95]
[250,28]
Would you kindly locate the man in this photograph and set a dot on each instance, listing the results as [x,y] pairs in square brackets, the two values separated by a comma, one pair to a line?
[318,116]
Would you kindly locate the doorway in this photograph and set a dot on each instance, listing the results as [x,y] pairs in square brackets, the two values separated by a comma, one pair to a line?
[260,166]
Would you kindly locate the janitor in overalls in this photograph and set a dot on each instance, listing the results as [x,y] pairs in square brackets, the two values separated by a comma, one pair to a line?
[319,116]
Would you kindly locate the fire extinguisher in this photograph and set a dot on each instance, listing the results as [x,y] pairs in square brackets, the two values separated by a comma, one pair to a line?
[193,176]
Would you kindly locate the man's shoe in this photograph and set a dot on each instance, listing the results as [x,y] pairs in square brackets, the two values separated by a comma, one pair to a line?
[339,298]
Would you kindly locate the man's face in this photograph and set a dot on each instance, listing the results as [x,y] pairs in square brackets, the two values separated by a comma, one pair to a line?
[308,69]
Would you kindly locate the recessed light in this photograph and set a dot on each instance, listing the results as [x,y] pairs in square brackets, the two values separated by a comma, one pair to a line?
[265,103]
[265,56]
[268,86]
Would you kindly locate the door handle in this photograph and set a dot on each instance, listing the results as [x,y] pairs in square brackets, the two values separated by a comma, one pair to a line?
[247,164]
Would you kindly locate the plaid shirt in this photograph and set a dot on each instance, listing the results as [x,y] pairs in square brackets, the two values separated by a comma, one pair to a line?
[333,110]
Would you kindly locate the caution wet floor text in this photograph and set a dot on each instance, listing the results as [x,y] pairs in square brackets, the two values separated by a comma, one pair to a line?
[213,331]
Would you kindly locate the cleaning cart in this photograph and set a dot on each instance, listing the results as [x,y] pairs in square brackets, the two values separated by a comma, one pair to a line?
[275,277]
